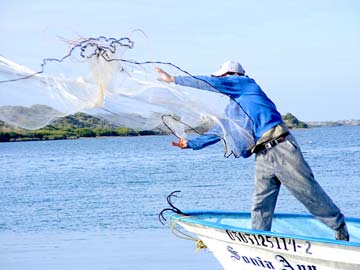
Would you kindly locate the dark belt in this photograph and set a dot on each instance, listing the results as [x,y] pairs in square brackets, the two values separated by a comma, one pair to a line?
[270,144]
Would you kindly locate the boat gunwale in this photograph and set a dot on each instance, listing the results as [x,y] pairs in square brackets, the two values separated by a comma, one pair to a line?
[187,218]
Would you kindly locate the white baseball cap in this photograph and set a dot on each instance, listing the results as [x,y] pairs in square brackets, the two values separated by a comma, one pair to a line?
[229,66]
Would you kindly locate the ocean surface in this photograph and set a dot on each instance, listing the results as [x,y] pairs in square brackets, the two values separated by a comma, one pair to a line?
[94,203]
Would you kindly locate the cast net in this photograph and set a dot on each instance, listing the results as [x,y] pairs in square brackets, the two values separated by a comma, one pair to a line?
[99,78]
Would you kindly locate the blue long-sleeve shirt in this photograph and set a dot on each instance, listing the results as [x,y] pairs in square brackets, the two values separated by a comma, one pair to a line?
[247,99]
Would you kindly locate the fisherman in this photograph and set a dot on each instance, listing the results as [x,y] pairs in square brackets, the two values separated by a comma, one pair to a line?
[278,158]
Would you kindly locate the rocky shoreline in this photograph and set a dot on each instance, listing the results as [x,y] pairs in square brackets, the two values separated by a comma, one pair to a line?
[334,123]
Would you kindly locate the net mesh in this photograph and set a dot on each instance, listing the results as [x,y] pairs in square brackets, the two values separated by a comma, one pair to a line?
[95,77]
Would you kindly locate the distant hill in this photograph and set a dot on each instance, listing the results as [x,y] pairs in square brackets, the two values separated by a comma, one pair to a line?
[292,122]
[81,120]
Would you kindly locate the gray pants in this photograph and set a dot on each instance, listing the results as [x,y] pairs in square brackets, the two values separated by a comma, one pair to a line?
[285,164]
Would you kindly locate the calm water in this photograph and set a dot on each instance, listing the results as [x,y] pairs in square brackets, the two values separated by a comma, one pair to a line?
[94,203]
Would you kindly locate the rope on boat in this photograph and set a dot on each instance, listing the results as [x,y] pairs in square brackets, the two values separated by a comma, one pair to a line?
[182,235]
[177,232]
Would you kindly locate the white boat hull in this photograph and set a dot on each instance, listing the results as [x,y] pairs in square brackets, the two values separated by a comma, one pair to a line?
[245,249]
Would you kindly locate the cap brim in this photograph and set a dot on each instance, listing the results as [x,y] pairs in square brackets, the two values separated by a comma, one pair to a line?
[219,72]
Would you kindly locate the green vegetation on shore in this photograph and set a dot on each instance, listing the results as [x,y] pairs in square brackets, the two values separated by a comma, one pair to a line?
[84,125]
[70,127]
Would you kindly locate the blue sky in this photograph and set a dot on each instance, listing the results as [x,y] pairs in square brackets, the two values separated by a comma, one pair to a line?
[304,54]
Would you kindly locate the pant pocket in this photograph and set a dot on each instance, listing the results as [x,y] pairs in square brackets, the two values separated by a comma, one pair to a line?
[293,144]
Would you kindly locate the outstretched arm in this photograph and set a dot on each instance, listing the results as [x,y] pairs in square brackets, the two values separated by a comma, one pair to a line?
[198,143]
[231,86]
[196,82]
[201,141]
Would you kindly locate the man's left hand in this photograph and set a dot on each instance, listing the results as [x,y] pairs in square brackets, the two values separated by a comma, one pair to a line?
[165,77]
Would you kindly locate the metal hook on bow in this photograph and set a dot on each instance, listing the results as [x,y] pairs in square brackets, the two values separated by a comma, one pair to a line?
[173,208]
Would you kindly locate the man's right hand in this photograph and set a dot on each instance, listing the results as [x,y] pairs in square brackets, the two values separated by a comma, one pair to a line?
[182,143]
